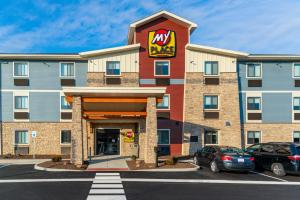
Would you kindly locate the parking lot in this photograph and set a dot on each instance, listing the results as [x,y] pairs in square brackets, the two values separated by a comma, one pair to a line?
[148,185]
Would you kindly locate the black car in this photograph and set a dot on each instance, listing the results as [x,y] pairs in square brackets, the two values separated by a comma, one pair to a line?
[280,158]
[224,158]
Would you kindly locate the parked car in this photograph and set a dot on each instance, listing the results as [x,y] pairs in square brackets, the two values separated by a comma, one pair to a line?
[225,158]
[280,158]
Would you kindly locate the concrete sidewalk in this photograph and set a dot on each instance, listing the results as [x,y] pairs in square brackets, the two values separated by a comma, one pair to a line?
[22,161]
[108,162]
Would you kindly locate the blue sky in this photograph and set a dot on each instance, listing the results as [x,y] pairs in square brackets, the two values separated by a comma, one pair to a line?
[41,26]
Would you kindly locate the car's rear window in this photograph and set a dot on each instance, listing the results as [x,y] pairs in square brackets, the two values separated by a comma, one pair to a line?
[230,150]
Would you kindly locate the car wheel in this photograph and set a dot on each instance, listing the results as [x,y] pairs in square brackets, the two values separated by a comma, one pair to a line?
[195,160]
[278,169]
[213,167]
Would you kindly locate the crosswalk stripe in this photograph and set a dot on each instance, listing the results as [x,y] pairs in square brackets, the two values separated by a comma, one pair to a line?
[106,197]
[107,191]
[107,186]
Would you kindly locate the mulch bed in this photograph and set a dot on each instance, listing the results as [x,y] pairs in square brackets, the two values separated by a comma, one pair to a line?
[132,165]
[31,156]
[64,164]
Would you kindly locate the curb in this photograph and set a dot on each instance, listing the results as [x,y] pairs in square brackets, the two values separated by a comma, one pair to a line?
[36,167]
[196,168]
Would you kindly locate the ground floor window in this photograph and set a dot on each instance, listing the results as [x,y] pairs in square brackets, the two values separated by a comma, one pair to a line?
[21,137]
[211,137]
[253,137]
[65,137]
[296,137]
[163,142]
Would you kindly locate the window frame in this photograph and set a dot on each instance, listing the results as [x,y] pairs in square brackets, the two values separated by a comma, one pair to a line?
[113,75]
[169,68]
[21,144]
[21,93]
[27,76]
[61,137]
[260,137]
[294,104]
[61,76]
[254,77]
[210,144]
[168,103]
[293,136]
[63,109]
[295,77]
[214,75]
[169,131]
[218,101]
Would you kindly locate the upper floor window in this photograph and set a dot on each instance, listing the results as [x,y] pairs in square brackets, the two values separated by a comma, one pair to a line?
[21,69]
[253,137]
[296,137]
[254,70]
[211,68]
[65,137]
[67,69]
[211,102]
[113,68]
[162,68]
[64,105]
[296,103]
[21,102]
[297,70]
[165,104]
[253,103]
[21,137]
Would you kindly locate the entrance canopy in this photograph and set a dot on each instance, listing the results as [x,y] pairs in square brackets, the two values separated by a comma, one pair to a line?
[114,102]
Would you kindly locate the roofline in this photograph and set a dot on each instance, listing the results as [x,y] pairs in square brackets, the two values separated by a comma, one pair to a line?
[192,26]
[208,49]
[41,56]
[115,91]
[273,57]
[109,50]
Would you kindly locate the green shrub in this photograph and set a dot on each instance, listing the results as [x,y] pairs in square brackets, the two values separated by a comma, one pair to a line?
[133,157]
[56,159]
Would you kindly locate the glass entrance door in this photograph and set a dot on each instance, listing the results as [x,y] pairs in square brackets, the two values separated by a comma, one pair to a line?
[108,141]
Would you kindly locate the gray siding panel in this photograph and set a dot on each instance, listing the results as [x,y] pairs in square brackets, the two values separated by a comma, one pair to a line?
[7,106]
[44,106]
[277,108]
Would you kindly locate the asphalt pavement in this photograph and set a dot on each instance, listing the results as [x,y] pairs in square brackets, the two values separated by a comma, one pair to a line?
[23,182]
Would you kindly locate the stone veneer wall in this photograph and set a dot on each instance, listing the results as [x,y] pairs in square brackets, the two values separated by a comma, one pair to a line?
[97,79]
[272,132]
[194,122]
[47,140]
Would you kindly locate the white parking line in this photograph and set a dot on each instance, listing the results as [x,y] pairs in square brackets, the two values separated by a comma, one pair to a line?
[2,166]
[262,174]
[107,186]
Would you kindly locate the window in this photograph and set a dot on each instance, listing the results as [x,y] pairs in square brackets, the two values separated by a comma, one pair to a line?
[163,137]
[21,137]
[162,68]
[297,70]
[21,69]
[211,68]
[211,102]
[267,148]
[254,70]
[296,103]
[253,103]
[65,137]
[296,137]
[210,137]
[165,103]
[194,138]
[253,137]
[113,68]
[21,102]
[64,105]
[67,70]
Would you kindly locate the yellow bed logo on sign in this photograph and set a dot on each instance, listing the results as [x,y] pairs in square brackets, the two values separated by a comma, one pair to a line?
[161,43]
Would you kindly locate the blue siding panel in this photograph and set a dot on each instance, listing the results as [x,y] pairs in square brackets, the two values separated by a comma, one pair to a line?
[7,106]
[277,108]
